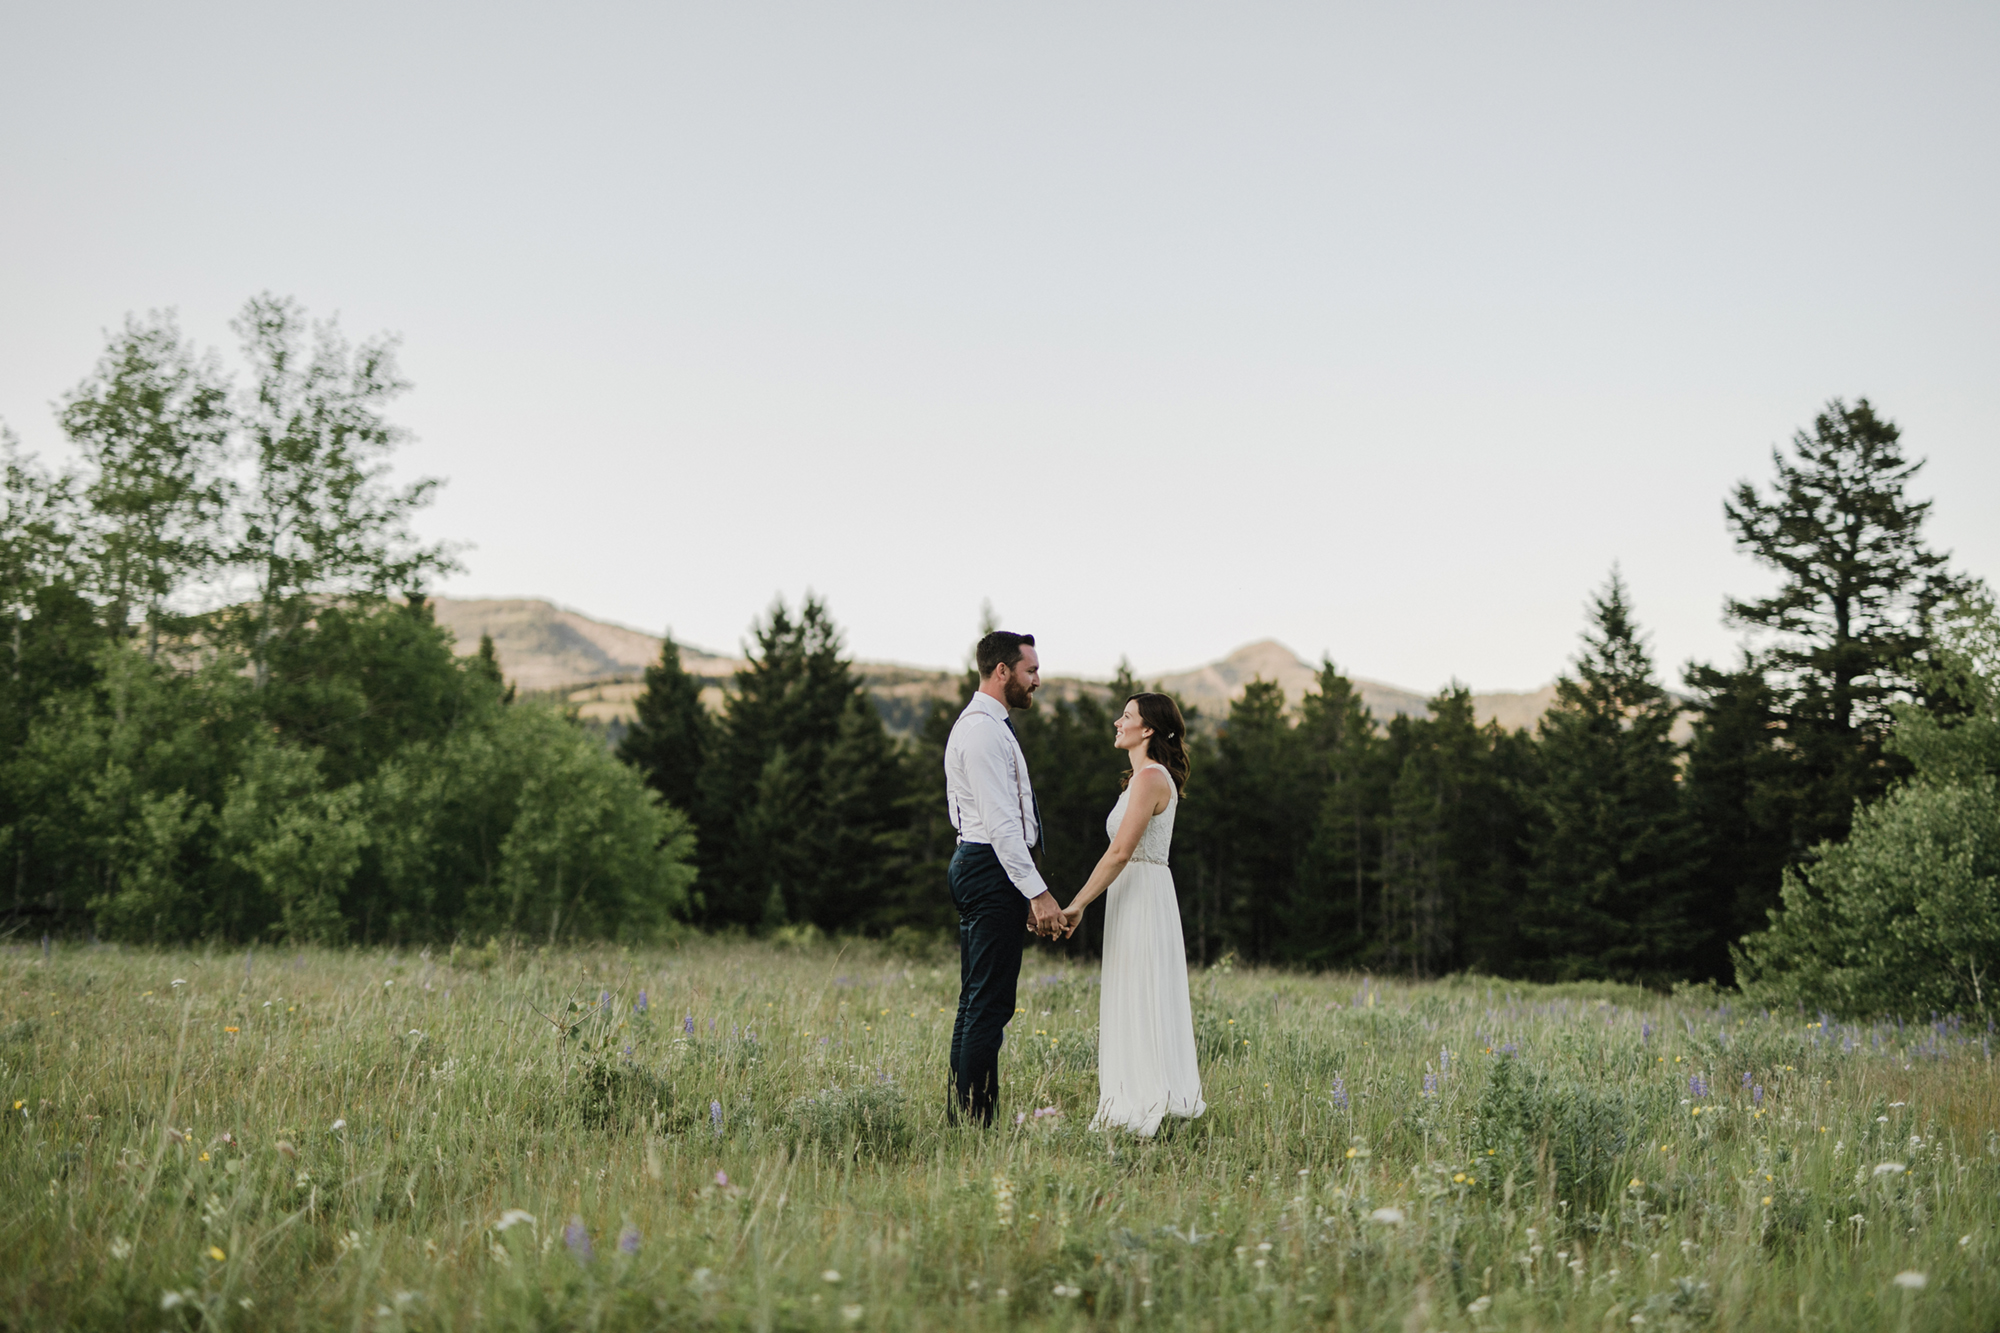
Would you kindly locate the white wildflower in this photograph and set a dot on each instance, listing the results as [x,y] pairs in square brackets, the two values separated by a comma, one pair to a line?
[121,1249]
[1910,1280]
[1387,1216]
[1480,1306]
[1890,1169]
[830,1275]
[851,1313]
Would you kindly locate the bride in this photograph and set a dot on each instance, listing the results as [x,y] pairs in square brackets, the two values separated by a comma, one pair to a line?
[1145,1041]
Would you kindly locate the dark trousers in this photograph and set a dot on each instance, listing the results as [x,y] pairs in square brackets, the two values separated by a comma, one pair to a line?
[992,926]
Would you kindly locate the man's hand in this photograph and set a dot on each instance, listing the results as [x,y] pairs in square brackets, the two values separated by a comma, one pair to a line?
[1044,917]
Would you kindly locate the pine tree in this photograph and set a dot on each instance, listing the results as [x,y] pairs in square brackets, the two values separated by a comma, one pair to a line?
[1612,854]
[1793,740]
[673,733]
[796,729]
[1431,851]
[1344,762]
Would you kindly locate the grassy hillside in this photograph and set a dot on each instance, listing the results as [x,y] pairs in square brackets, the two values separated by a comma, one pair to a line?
[738,1136]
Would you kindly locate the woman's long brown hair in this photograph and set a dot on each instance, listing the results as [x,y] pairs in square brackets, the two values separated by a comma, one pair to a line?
[1168,743]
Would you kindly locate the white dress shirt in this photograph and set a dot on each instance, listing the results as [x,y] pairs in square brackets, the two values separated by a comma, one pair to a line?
[986,786]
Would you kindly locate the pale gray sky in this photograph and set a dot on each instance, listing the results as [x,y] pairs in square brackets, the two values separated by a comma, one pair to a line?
[1381,330]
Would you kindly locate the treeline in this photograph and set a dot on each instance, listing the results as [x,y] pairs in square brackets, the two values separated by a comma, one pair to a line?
[1610,842]
[227,712]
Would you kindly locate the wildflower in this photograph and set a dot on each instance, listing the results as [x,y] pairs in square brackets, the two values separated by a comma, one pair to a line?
[639,1006]
[722,1179]
[578,1240]
[178,982]
[1757,1094]
[121,1249]
[628,1240]
[715,1117]
[1430,1085]
[1339,1092]
[687,1025]
[204,1157]
[1068,1292]
[171,1299]
[604,999]
[1480,1306]
[1890,1169]
[1003,1200]
[1910,1280]
[215,1253]
[340,1124]
[1767,1201]
[830,1275]
[851,1313]
[232,1030]
[514,1217]
[1387,1216]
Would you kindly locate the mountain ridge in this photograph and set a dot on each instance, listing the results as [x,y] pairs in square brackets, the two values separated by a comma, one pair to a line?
[595,664]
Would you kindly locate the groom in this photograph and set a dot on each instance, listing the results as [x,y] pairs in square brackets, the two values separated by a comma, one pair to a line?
[994,881]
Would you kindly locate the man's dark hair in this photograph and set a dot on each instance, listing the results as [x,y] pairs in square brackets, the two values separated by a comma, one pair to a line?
[1001,646]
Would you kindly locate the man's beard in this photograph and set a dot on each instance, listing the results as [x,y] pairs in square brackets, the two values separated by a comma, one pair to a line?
[1018,695]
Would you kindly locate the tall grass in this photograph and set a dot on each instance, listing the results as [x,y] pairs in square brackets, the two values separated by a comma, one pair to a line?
[519,1140]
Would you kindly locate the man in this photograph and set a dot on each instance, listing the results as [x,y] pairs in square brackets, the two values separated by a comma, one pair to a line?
[994,881]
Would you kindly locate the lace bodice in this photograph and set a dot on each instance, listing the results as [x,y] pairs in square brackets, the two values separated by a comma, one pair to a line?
[1159,834]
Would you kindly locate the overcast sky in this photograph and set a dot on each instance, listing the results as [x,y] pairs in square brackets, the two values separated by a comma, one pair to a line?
[1381,330]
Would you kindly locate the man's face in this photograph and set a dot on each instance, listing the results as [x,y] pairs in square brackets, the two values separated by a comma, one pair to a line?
[1019,682]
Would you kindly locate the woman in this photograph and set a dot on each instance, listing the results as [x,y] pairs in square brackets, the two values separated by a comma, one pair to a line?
[1145,1027]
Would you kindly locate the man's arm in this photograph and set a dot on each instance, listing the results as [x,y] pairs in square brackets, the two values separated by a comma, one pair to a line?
[989,770]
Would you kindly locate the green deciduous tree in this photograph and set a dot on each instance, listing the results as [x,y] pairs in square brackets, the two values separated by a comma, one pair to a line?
[317,520]
[1904,916]
[152,426]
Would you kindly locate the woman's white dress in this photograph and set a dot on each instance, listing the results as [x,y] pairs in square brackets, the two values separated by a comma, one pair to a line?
[1145,1026]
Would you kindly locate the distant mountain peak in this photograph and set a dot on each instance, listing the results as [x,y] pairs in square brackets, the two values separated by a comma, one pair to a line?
[543,646]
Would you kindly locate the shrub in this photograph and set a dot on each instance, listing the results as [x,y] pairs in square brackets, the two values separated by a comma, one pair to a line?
[865,1119]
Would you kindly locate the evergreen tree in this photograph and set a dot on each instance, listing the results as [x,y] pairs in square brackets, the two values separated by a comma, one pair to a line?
[789,735]
[1430,847]
[1612,854]
[673,732]
[1344,760]
[1254,822]
[1839,638]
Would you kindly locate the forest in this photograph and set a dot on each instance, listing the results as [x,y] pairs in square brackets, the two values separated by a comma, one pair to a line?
[229,716]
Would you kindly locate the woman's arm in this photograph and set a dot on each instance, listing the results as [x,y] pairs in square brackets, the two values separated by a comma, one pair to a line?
[1151,790]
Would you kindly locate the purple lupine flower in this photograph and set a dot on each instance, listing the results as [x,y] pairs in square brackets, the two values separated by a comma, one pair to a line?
[1746,1078]
[1757,1094]
[639,1006]
[1645,1032]
[1510,1049]
[715,1117]
[604,999]
[1340,1092]
[1697,1085]
[688,1026]
[1444,1060]
[1430,1085]
[628,1240]
[578,1240]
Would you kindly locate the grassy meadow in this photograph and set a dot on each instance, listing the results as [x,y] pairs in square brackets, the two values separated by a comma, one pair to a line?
[740,1135]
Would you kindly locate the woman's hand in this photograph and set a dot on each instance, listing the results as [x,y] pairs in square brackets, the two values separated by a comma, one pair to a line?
[1072,918]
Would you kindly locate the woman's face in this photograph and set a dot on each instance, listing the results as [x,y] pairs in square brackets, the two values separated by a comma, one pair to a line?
[1130,732]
